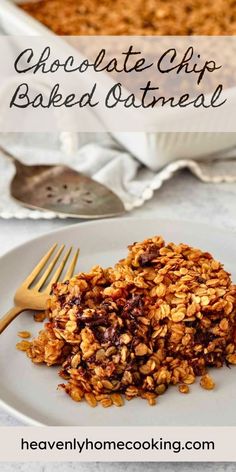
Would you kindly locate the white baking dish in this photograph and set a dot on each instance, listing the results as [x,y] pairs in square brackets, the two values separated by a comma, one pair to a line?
[16,21]
[153,149]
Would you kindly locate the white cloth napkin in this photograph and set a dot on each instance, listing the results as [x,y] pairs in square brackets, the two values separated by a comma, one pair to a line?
[100,157]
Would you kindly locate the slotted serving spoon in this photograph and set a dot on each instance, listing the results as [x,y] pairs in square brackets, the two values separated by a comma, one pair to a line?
[60,189]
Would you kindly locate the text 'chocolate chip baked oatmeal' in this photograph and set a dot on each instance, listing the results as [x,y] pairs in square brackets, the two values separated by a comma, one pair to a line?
[160,317]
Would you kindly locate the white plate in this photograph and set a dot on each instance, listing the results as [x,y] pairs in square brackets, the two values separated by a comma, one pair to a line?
[29,391]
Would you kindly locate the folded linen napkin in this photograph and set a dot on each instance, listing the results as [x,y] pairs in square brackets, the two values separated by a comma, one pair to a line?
[99,156]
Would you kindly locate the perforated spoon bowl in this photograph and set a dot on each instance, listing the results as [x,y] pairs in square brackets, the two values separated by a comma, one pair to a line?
[60,189]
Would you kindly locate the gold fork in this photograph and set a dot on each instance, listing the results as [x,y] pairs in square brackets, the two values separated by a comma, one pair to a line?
[36,297]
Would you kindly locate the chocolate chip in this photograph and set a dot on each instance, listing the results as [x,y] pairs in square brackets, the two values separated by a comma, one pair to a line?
[148,256]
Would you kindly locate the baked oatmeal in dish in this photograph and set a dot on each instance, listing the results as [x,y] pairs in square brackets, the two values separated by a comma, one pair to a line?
[160,317]
[136,17]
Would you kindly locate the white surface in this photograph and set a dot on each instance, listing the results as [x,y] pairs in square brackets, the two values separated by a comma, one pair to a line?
[16,21]
[32,390]
[154,150]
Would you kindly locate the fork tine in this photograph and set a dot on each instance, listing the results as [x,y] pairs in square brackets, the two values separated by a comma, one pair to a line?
[49,269]
[58,272]
[31,277]
[71,268]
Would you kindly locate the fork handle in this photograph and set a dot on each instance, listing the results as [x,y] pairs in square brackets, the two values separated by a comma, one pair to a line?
[9,317]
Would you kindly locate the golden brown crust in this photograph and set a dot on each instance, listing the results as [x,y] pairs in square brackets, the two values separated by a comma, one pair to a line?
[137,17]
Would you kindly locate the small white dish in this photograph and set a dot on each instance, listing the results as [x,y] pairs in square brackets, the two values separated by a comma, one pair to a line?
[30,391]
